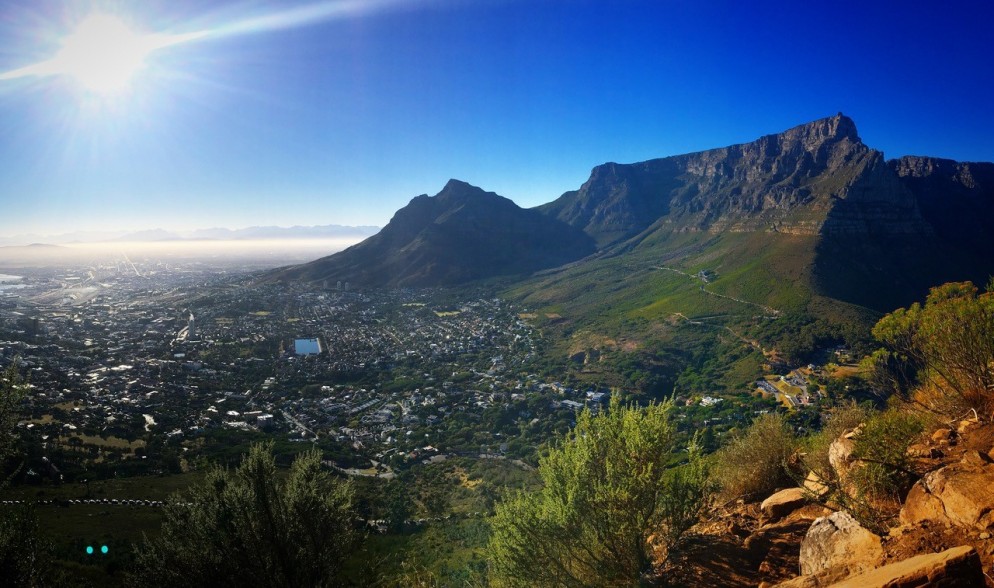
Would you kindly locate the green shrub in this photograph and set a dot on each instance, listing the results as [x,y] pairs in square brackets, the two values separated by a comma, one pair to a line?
[252,526]
[607,490]
[948,346]
[882,449]
[756,462]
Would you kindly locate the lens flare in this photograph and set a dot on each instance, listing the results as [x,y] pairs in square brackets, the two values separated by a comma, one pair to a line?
[103,54]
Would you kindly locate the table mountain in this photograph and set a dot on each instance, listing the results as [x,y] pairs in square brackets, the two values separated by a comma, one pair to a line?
[814,178]
[788,221]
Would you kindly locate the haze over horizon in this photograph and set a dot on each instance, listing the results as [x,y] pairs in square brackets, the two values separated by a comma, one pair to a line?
[313,113]
[254,233]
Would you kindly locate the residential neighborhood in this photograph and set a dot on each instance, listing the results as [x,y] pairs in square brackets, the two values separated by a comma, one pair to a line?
[123,356]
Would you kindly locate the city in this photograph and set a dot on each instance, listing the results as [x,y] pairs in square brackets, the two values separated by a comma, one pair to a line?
[132,365]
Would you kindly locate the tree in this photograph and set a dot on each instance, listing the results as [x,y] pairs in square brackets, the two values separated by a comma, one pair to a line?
[24,556]
[608,503]
[255,527]
[11,394]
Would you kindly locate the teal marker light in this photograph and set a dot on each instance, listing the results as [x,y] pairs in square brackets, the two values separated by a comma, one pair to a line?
[89,550]
[103,549]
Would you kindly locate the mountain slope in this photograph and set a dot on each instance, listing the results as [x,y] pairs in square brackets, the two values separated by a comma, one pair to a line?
[957,199]
[460,234]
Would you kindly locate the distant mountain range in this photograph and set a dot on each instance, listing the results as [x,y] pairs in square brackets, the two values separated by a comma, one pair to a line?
[789,220]
[215,234]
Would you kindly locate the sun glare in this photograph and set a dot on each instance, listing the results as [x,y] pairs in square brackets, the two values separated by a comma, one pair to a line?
[103,54]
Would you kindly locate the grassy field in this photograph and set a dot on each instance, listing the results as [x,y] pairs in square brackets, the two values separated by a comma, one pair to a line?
[111,442]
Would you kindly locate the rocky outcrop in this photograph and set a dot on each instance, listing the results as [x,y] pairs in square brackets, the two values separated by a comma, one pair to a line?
[814,485]
[783,503]
[841,456]
[837,546]
[946,539]
[958,567]
[958,494]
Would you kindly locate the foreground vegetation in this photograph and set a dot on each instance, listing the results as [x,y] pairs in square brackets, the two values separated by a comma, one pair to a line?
[252,527]
[611,500]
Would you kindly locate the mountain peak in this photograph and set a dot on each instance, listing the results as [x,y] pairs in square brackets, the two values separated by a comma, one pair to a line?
[458,192]
[824,130]
[454,184]
[463,233]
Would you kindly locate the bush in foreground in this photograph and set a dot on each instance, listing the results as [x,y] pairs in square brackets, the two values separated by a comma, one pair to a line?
[879,471]
[609,504]
[255,527]
[882,447]
[756,462]
[947,343]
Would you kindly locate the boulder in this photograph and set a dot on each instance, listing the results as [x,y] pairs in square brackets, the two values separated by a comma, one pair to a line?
[966,425]
[783,503]
[943,436]
[924,451]
[815,485]
[799,582]
[837,546]
[840,455]
[973,457]
[958,494]
[958,567]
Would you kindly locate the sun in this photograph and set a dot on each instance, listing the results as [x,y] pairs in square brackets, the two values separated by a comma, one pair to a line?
[103,54]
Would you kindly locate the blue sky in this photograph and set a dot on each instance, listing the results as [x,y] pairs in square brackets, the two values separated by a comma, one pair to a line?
[344,120]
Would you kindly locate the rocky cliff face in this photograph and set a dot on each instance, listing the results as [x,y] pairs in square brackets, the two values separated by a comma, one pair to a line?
[956,199]
[817,178]
[460,234]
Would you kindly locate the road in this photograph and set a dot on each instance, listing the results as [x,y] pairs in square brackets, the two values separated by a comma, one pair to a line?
[298,424]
